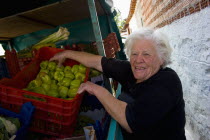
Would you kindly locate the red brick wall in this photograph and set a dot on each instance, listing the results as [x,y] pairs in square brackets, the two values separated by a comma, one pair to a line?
[158,13]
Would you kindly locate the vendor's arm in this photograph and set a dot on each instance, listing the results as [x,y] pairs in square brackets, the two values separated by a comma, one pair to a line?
[87,59]
[113,106]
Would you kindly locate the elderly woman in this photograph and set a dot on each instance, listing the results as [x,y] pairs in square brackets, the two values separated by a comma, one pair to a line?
[151,105]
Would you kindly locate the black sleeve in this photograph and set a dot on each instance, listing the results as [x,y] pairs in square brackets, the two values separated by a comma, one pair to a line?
[156,101]
[116,69]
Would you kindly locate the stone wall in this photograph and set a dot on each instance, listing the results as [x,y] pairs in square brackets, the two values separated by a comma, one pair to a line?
[190,40]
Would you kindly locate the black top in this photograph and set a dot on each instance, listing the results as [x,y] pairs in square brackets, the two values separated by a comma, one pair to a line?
[155,109]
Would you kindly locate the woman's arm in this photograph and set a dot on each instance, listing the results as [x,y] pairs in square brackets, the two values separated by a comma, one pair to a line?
[87,59]
[113,106]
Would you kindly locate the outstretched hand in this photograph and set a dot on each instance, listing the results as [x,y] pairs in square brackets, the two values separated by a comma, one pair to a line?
[59,57]
[90,87]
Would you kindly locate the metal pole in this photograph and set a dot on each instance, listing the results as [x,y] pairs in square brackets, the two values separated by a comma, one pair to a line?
[97,33]
[114,126]
[96,27]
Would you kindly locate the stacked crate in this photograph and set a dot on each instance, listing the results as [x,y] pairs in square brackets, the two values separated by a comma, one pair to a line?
[53,116]
[12,62]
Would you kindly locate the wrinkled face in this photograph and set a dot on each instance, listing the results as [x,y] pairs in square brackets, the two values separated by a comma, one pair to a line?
[144,60]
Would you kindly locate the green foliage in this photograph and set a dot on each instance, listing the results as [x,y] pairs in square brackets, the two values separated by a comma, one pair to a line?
[118,19]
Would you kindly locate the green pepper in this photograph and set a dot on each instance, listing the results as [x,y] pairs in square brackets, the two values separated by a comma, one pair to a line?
[34,83]
[67,69]
[66,82]
[53,93]
[51,66]
[53,86]
[75,69]
[53,81]
[46,79]
[40,90]
[72,92]
[44,64]
[69,75]
[63,91]
[59,83]
[59,68]
[70,99]
[45,86]
[51,74]
[75,83]
[40,74]
[26,89]
[94,73]
[44,70]
[82,69]
[80,76]
[59,75]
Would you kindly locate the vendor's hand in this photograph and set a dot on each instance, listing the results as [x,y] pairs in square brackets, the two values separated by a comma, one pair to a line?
[59,57]
[90,87]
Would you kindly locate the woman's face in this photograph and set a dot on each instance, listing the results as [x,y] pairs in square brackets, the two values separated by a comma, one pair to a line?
[144,60]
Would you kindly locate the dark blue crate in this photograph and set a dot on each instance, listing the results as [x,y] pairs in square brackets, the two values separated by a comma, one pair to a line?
[24,116]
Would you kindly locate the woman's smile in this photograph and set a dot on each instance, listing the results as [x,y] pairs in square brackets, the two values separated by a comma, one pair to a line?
[144,60]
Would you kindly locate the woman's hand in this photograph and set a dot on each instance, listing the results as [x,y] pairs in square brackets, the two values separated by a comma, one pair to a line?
[90,87]
[113,106]
[59,57]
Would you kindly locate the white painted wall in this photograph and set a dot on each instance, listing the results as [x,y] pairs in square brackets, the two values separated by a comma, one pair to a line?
[136,21]
[190,40]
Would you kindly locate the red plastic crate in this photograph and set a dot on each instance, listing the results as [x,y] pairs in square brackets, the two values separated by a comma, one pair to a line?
[52,116]
[111,45]
[12,62]
[24,62]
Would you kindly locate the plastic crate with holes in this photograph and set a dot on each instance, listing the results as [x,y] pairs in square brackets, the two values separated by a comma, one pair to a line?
[53,116]
[24,62]
[111,45]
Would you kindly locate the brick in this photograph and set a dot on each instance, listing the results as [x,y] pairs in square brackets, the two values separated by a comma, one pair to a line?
[197,7]
[167,22]
[203,4]
[186,12]
[179,15]
[182,14]
[166,8]
[192,10]
[173,18]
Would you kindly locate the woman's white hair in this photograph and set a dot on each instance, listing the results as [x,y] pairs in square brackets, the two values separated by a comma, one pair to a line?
[160,40]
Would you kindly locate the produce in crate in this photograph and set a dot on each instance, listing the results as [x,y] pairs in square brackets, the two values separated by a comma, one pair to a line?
[51,40]
[8,127]
[52,114]
[94,73]
[82,121]
[61,34]
[60,82]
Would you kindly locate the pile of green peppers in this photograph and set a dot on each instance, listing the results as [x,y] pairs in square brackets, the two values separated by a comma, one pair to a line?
[60,82]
